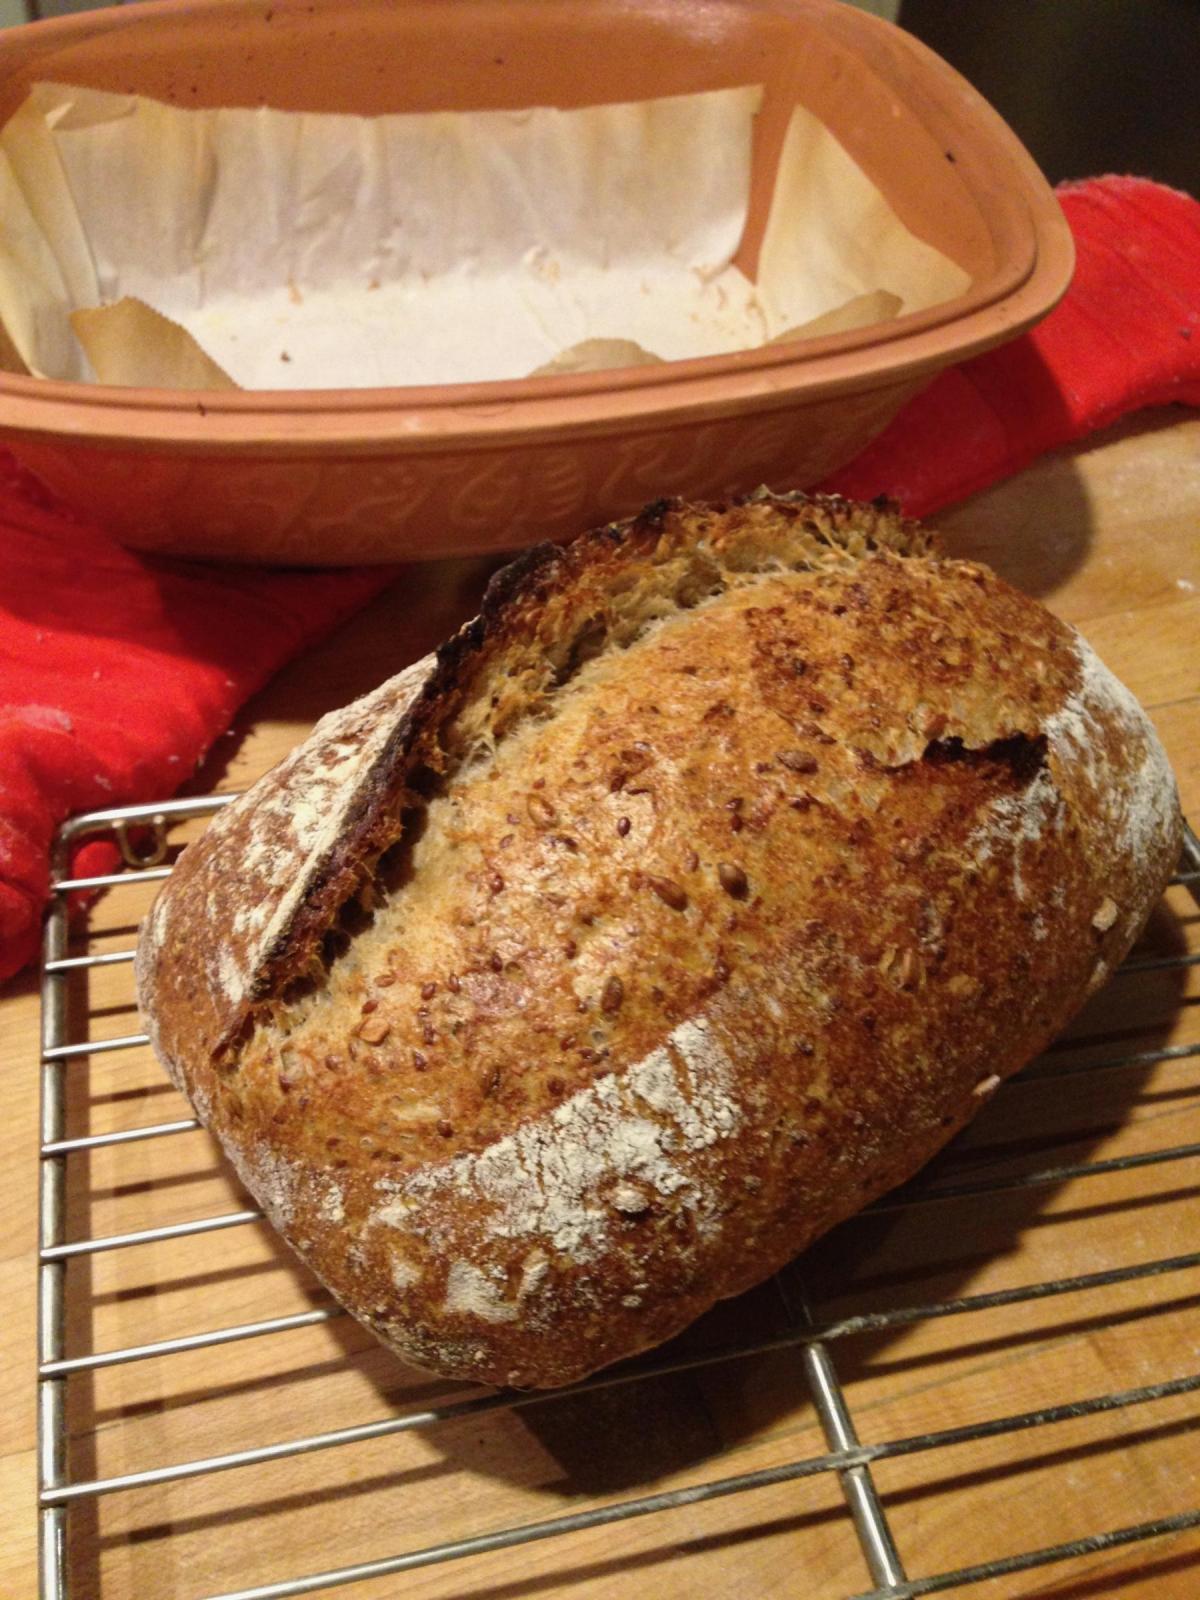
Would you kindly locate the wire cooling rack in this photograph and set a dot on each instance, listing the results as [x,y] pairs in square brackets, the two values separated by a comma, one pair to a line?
[802,1331]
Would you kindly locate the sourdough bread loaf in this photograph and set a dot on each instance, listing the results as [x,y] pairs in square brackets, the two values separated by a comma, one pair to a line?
[693,895]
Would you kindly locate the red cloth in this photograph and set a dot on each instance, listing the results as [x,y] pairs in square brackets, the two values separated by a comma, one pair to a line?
[118,671]
[1126,335]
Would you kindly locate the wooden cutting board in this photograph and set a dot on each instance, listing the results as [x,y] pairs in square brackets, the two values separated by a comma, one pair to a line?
[1107,536]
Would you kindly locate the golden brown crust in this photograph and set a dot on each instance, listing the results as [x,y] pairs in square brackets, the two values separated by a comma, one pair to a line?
[695,894]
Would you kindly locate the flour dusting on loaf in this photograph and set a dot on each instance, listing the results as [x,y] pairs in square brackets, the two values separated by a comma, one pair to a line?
[693,895]
[302,818]
[300,810]
[1145,808]
[1137,813]
[560,1177]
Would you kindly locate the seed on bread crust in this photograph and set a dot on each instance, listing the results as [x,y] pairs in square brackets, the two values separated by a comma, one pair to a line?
[669,892]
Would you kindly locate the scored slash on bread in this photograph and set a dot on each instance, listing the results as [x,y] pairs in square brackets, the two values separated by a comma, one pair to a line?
[690,897]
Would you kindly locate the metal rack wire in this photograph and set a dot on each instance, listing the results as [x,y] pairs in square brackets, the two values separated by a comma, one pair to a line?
[813,1340]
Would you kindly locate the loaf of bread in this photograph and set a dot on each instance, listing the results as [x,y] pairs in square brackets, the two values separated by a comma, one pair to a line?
[693,895]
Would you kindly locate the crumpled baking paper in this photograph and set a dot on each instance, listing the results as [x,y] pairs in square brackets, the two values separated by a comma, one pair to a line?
[151,245]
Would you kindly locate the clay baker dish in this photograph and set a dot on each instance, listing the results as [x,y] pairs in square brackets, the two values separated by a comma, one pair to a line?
[333,476]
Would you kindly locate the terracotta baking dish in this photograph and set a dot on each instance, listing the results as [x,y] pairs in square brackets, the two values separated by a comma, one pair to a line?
[336,476]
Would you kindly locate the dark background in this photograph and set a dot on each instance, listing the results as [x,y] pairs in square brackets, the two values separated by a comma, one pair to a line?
[1089,86]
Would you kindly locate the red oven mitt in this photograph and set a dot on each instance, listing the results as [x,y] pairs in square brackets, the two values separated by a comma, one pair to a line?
[1125,335]
[118,671]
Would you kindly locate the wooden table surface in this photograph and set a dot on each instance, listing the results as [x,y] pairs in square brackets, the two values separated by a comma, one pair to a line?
[1109,537]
